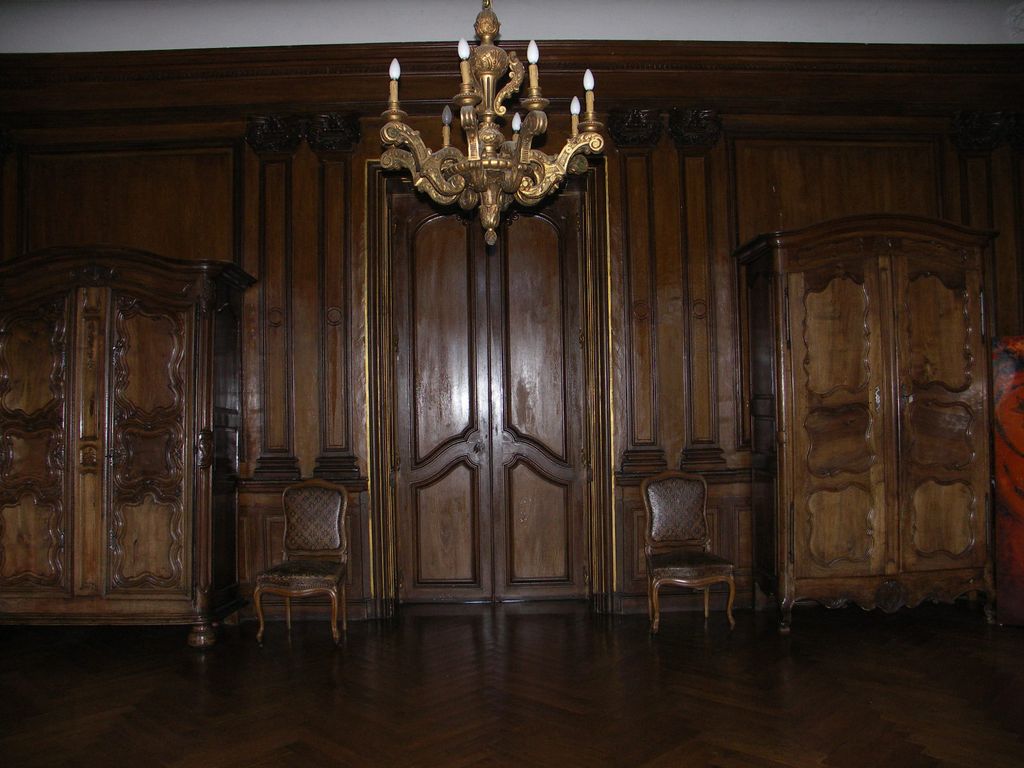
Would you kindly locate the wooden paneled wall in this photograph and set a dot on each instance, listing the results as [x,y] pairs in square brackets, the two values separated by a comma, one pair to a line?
[267,157]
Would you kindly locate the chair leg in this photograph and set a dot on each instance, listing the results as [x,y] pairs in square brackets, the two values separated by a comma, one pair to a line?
[650,604]
[288,612]
[344,609]
[655,608]
[257,597]
[728,606]
[707,602]
[333,594]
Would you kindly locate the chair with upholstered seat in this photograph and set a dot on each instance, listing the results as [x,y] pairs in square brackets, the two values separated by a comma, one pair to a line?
[678,543]
[315,552]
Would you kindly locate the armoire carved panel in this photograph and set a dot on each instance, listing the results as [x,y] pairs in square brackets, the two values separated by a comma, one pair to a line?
[872,387]
[116,423]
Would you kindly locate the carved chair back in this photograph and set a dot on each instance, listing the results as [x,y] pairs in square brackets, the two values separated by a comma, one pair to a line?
[676,504]
[314,521]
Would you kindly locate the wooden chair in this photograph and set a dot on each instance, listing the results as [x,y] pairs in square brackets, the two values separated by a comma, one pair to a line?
[315,551]
[678,544]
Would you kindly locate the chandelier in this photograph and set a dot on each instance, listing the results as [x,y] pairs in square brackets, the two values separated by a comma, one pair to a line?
[494,171]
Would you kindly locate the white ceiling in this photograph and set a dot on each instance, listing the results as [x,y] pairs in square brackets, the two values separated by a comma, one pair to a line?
[96,25]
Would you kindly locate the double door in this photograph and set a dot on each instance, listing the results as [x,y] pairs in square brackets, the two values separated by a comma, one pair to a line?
[492,467]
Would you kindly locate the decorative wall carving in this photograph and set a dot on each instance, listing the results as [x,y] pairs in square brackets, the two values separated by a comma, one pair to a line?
[635,127]
[985,131]
[282,134]
[332,132]
[694,127]
[274,134]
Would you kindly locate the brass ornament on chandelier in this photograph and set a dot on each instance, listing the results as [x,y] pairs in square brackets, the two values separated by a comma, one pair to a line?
[494,171]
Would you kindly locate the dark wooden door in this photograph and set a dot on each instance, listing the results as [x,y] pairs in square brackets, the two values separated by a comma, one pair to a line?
[491,477]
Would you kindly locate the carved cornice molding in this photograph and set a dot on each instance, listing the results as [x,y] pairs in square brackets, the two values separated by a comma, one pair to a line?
[986,131]
[565,57]
[635,127]
[697,128]
[281,134]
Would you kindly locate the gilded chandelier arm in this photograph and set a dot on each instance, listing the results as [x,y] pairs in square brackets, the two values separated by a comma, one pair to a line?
[516,72]
[467,117]
[548,171]
[429,169]
[396,134]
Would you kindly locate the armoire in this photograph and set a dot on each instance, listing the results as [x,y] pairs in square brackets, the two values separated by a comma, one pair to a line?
[119,418]
[868,340]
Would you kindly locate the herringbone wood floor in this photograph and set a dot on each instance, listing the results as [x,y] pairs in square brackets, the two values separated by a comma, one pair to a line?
[529,685]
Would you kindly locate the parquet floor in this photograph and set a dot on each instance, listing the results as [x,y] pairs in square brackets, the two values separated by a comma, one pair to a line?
[527,685]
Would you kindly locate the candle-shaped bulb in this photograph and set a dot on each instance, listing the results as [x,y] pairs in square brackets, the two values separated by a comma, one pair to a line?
[464,64]
[533,56]
[517,122]
[574,105]
[588,86]
[395,72]
[446,126]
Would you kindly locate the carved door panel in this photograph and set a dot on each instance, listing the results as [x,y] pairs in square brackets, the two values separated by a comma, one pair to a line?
[151,392]
[489,486]
[33,403]
[539,462]
[942,370]
[442,479]
[841,409]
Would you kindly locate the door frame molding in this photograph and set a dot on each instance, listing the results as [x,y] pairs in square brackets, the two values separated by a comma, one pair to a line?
[383,456]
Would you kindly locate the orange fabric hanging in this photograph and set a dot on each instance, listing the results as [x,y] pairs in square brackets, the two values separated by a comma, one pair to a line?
[1008,392]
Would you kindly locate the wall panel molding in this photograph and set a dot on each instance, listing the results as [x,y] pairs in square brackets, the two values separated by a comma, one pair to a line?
[332,137]
[644,453]
[696,131]
[990,198]
[275,139]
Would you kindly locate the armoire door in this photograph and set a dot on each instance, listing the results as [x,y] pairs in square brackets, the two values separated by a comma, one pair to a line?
[942,372]
[149,455]
[840,449]
[33,423]
[491,474]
